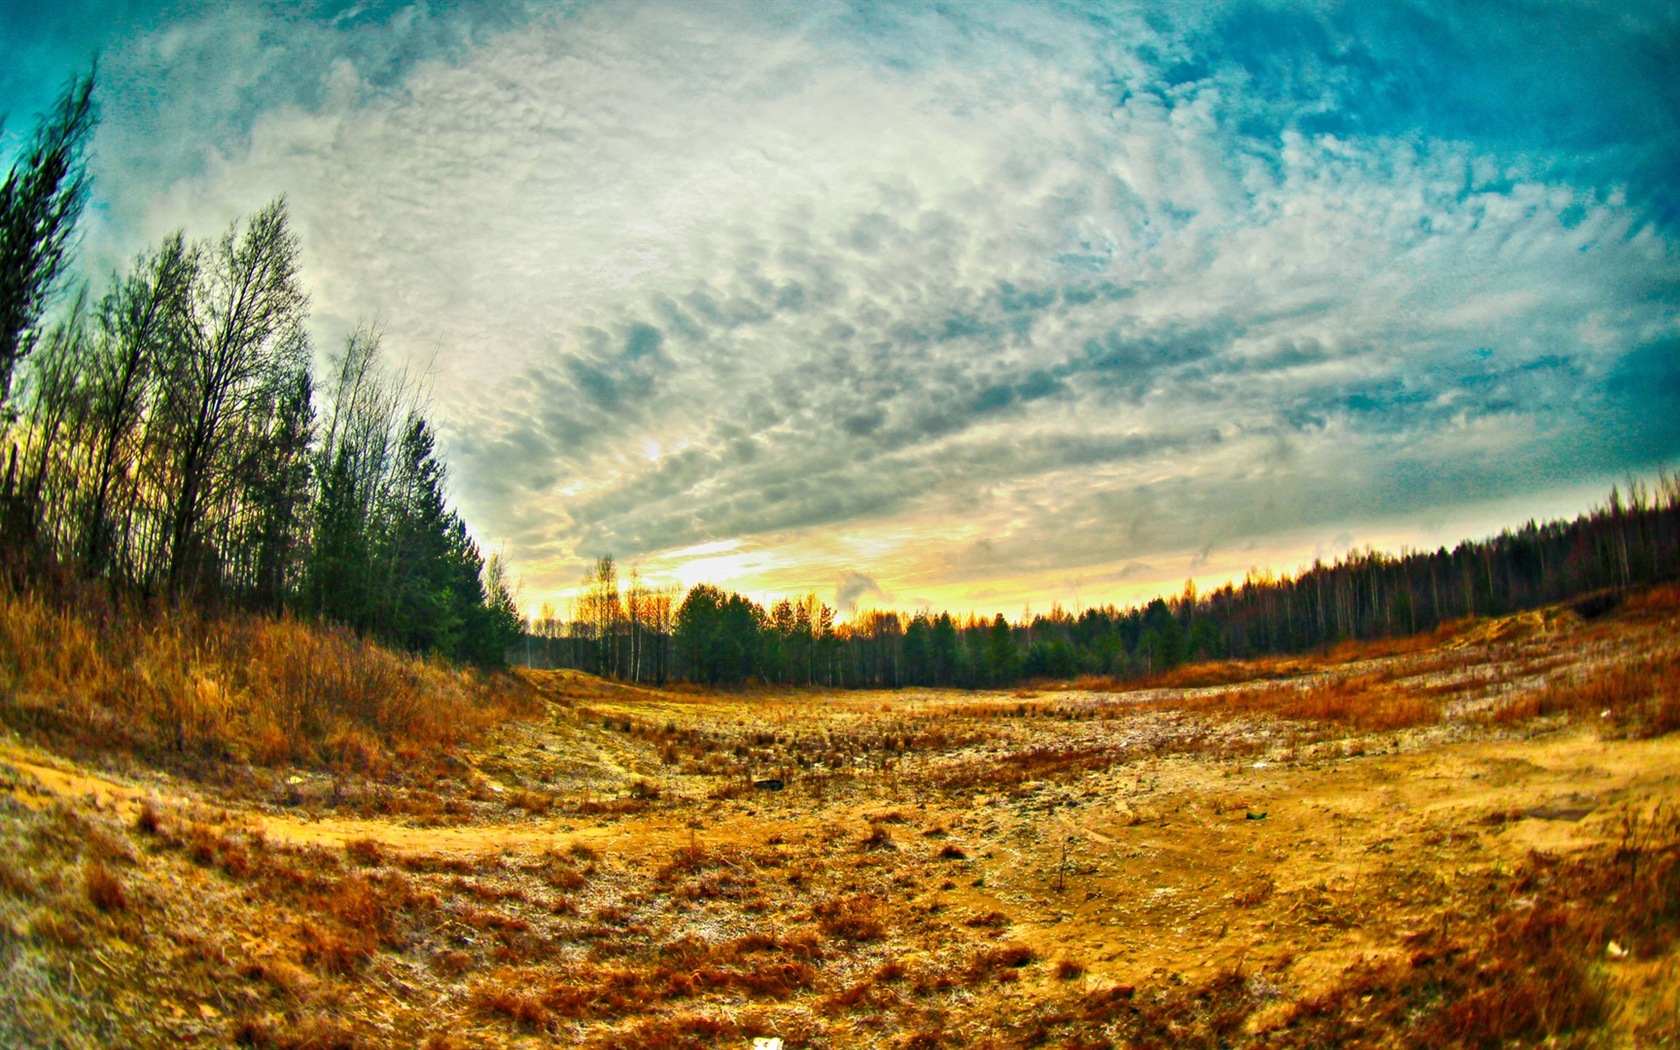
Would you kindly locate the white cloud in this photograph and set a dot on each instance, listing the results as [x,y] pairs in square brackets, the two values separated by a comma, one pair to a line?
[979,298]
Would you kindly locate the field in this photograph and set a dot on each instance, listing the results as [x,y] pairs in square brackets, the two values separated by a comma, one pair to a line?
[1471,839]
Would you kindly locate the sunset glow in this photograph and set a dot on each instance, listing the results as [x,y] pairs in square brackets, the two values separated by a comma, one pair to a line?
[975,308]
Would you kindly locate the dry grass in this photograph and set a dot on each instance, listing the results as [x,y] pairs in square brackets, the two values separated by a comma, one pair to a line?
[104,889]
[1654,604]
[1527,975]
[542,999]
[1638,698]
[1030,764]
[273,692]
[1523,976]
[1370,702]
[912,885]
[852,917]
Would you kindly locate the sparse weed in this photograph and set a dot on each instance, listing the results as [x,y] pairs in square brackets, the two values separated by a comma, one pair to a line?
[1637,698]
[104,889]
[768,917]
[853,917]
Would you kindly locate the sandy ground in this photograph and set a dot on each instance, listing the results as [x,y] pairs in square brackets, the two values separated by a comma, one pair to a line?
[1141,847]
[1157,851]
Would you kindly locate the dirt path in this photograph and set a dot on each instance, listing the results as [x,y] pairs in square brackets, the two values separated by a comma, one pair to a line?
[1554,793]
[37,780]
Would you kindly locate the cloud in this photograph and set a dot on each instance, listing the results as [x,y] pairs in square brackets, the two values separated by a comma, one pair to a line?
[957,296]
[853,588]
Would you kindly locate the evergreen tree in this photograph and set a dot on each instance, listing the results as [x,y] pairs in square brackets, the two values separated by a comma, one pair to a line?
[498,626]
[40,200]
[1000,652]
[918,651]
[717,635]
[353,468]
[279,491]
[944,650]
[434,566]
[698,630]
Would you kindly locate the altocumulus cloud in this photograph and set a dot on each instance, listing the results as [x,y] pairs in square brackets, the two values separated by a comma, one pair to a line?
[917,300]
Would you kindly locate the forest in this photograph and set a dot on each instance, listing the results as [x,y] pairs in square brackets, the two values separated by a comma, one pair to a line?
[168,441]
[715,637]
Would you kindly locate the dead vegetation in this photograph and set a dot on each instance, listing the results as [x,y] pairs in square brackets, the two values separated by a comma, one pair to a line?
[1470,842]
[1637,698]
[201,695]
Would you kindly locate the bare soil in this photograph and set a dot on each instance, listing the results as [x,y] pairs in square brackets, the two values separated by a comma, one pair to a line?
[937,868]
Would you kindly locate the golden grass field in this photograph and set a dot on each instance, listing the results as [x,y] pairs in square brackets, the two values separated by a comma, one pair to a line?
[258,835]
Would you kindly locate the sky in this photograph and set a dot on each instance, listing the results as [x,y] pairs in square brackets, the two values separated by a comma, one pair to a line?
[975,306]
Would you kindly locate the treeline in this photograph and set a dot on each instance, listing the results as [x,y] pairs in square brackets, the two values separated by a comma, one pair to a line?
[617,631]
[643,634]
[717,637]
[166,436]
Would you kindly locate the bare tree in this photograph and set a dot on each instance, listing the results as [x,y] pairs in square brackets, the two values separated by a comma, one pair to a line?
[603,612]
[56,397]
[247,314]
[354,479]
[636,613]
[143,325]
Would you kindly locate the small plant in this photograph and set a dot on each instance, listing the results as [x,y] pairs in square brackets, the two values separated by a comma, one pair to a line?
[1069,969]
[856,917]
[535,803]
[104,889]
[364,851]
[1001,960]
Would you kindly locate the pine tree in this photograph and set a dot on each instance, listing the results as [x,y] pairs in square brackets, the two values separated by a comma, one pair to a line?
[40,201]
[432,558]
[499,626]
[279,492]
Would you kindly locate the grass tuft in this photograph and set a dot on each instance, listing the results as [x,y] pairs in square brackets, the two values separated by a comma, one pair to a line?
[104,890]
